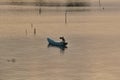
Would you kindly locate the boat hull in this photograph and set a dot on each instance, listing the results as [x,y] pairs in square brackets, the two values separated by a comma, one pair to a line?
[54,43]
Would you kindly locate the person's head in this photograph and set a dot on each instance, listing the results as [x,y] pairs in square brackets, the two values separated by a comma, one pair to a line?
[61,37]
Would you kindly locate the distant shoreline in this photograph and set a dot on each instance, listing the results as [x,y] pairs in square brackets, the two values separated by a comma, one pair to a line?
[49,4]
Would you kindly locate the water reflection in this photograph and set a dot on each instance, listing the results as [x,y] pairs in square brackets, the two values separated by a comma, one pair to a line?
[62,48]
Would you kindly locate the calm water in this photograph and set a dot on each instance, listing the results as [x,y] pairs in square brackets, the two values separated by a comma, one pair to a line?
[92,53]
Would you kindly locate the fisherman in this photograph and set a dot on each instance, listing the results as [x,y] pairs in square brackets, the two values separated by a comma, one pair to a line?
[63,39]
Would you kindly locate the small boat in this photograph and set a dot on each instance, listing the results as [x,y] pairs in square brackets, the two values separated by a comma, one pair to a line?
[54,43]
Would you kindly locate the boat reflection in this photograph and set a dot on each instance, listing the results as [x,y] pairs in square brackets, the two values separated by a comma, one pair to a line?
[62,48]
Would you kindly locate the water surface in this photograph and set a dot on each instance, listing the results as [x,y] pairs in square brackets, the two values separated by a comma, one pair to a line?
[92,53]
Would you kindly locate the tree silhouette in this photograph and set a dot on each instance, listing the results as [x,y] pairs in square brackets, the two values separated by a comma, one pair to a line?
[72,3]
[14,2]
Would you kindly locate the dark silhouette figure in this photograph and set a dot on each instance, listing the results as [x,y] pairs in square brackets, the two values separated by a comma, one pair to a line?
[63,39]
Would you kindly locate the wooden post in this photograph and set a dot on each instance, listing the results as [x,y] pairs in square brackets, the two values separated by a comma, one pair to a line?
[99,3]
[26,32]
[66,17]
[31,25]
[40,11]
[35,31]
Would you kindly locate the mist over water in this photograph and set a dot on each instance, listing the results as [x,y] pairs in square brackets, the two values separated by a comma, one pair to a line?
[91,32]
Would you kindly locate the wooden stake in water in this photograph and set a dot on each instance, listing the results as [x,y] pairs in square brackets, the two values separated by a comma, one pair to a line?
[66,17]
[34,31]
[99,3]
[40,11]
[31,25]
[26,32]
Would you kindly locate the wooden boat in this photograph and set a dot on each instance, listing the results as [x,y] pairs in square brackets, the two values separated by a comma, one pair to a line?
[55,43]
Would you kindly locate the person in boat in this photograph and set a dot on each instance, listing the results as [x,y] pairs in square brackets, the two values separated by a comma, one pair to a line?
[63,39]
